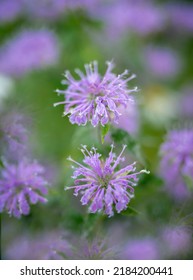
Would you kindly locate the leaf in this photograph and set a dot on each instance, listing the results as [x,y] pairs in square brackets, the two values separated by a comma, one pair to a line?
[1,163]
[104,131]
[130,211]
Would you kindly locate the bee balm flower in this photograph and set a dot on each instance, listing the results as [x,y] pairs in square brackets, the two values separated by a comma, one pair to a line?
[177,162]
[21,185]
[102,184]
[95,98]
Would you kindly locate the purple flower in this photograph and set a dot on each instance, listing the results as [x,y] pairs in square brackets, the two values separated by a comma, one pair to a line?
[102,184]
[177,240]
[177,162]
[95,98]
[180,16]
[134,16]
[27,51]
[19,246]
[10,9]
[21,185]
[162,62]
[45,9]
[141,249]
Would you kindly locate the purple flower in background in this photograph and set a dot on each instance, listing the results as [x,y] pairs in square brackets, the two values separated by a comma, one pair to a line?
[95,98]
[161,62]
[177,162]
[21,185]
[180,16]
[102,184]
[141,249]
[27,246]
[176,240]
[27,51]
[136,16]
[45,9]
[10,10]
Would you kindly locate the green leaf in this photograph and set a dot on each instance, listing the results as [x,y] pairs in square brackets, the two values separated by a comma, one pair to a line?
[1,163]
[130,211]
[104,131]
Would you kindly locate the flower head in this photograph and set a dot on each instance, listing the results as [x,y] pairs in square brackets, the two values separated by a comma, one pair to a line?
[162,62]
[21,185]
[10,10]
[141,249]
[95,98]
[27,51]
[177,161]
[102,184]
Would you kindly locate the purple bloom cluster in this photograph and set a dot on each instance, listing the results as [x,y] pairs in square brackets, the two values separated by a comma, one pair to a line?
[21,185]
[135,16]
[141,249]
[10,9]
[95,98]
[45,9]
[102,183]
[21,180]
[180,16]
[162,62]
[177,161]
[27,51]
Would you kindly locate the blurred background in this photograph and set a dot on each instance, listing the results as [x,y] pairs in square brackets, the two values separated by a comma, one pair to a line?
[41,39]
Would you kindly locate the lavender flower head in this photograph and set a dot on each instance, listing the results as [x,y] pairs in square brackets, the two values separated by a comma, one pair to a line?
[95,98]
[177,162]
[132,16]
[142,249]
[10,10]
[162,62]
[21,185]
[102,184]
[45,9]
[27,51]
[180,16]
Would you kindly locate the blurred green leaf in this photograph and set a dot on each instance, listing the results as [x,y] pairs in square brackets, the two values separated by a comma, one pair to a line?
[130,211]
[104,131]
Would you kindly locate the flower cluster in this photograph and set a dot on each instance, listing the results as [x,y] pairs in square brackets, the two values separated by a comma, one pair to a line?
[22,180]
[20,185]
[95,98]
[102,183]
[27,51]
[177,161]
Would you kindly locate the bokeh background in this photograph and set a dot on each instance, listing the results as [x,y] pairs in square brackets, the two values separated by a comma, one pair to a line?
[41,39]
